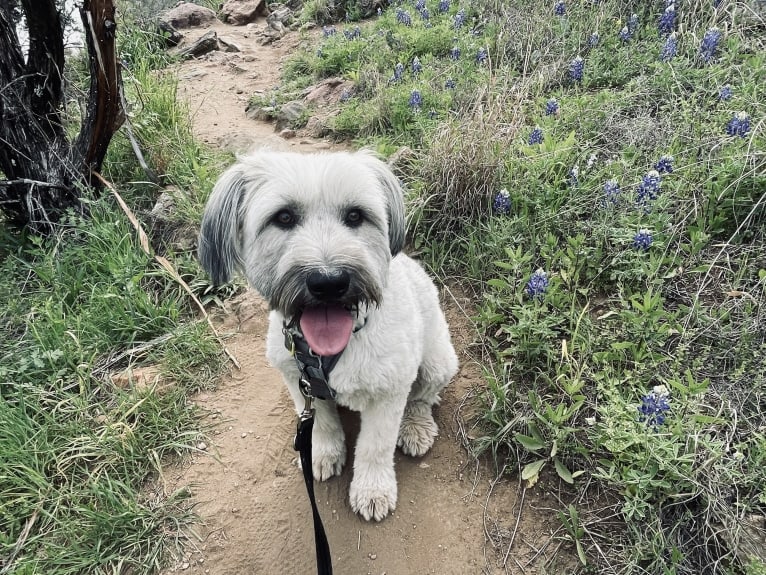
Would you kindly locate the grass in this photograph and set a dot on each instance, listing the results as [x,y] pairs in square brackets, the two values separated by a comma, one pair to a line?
[631,380]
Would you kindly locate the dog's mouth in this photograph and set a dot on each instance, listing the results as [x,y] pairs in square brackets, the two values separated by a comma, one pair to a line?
[327,328]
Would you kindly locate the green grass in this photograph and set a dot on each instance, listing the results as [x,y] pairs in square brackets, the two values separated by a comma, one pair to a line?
[571,367]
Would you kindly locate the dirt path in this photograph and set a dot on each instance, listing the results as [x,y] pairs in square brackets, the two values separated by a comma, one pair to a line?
[248,489]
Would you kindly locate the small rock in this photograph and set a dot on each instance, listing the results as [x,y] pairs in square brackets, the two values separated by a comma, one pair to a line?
[373,556]
[202,446]
[207,43]
[188,15]
[227,45]
[287,133]
[242,12]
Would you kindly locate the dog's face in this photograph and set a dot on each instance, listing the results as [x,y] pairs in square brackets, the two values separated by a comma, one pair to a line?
[314,234]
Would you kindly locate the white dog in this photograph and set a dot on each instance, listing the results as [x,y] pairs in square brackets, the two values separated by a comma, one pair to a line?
[319,236]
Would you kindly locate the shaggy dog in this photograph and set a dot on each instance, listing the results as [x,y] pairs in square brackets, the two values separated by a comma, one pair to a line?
[320,237]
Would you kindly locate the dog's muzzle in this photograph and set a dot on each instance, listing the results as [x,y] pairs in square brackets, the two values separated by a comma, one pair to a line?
[328,286]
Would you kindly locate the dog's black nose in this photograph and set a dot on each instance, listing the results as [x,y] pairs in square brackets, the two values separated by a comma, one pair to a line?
[328,286]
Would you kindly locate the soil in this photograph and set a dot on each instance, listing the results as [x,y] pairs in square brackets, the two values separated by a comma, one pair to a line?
[453,515]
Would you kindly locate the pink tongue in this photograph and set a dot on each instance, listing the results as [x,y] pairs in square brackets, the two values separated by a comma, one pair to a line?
[327,329]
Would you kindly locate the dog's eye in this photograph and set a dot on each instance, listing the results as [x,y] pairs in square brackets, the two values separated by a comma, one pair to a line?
[354,218]
[285,218]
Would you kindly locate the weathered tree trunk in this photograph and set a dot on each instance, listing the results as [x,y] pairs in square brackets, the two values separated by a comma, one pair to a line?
[45,174]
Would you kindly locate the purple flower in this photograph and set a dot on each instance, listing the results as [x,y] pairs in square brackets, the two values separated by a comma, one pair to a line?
[502,202]
[424,14]
[420,5]
[664,165]
[551,107]
[633,23]
[649,188]
[345,95]
[653,406]
[642,240]
[574,176]
[576,69]
[725,93]
[625,34]
[593,40]
[403,17]
[417,67]
[415,100]
[328,31]
[612,191]
[537,284]
[482,55]
[739,125]
[668,20]
[443,6]
[536,137]
[670,49]
[559,9]
[459,19]
[454,54]
[398,72]
[353,34]
[450,84]
[709,44]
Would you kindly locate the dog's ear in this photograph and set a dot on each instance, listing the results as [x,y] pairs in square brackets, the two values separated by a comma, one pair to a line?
[394,199]
[219,249]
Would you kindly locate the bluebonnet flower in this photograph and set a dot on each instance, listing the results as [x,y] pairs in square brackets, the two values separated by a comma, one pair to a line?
[664,165]
[668,20]
[642,240]
[649,188]
[403,17]
[625,34]
[559,9]
[443,6]
[415,100]
[633,23]
[417,67]
[576,68]
[454,54]
[398,72]
[420,5]
[537,284]
[450,84]
[594,40]
[611,191]
[482,55]
[670,49]
[709,44]
[380,11]
[725,93]
[739,125]
[320,53]
[502,202]
[536,137]
[328,31]
[654,406]
[425,15]
[551,107]
[574,176]
[716,3]
[459,19]
[345,95]
[353,34]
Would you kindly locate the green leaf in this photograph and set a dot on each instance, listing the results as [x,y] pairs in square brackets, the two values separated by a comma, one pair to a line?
[563,472]
[529,443]
[531,471]
[581,552]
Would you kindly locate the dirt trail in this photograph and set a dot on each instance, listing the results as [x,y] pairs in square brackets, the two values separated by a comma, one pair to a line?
[248,489]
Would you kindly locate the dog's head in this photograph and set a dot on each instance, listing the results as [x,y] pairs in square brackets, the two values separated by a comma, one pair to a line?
[314,234]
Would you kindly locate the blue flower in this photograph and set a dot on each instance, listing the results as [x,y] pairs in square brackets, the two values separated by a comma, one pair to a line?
[454,54]
[725,93]
[420,5]
[576,68]
[594,40]
[328,31]
[398,72]
[668,20]
[536,137]
[559,9]
[625,34]
[551,107]
[649,188]
[716,3]
[574,176]
[443,6]
[653,406]
[459,19]
[633,23]
[664,165]
[346,95]
[642,240]
[450,84]
[739,125]
[425,15]
[353,34]
[403,17]
[612,191]
[482,55]
[537,284]
[709,44]
[380,12]
[502,202]
[417,67]
[670,49]
[415,100]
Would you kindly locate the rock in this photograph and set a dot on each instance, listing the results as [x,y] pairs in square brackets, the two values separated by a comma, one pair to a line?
[171,36]
[228,45]
[208,43]
[242,12]
[287,133]
[329,91]
[317,127]
[188,15]
[290,115]
[261,113]
[279,20]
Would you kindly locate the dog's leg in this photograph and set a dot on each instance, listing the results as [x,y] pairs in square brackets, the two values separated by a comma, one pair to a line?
[373,489]
[328,441]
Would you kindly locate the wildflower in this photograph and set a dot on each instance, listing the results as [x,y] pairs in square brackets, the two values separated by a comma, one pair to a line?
[725,93]
[380,12]
[536,137]
[739,125]
[670,49]
[454,54]
[654,405]
[551,107]
[593,40]
[559,9]
[664,165]
[425,15]
[709,44]
[537,284]
[415,100]
[450,84]
[459,19]
[443,6]
[633,23]
[716,3]
[574,176]
[649,188]
[398,72]
[328,31]
[576,68]
[667,20]
[420,5]
[403,17]
[482,55]
[625,34]
[612,191]
[642,240]
[353,34]
[502,202]
[345,95]
[591,161]
[417,67]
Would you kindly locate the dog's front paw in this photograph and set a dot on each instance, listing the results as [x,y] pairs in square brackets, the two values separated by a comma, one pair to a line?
[417,430]
[328,455]
[373,497]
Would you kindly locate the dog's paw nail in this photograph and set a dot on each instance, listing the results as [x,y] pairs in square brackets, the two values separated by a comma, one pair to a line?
[373,502]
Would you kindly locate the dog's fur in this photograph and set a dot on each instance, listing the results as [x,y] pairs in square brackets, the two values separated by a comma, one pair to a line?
[278,218]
